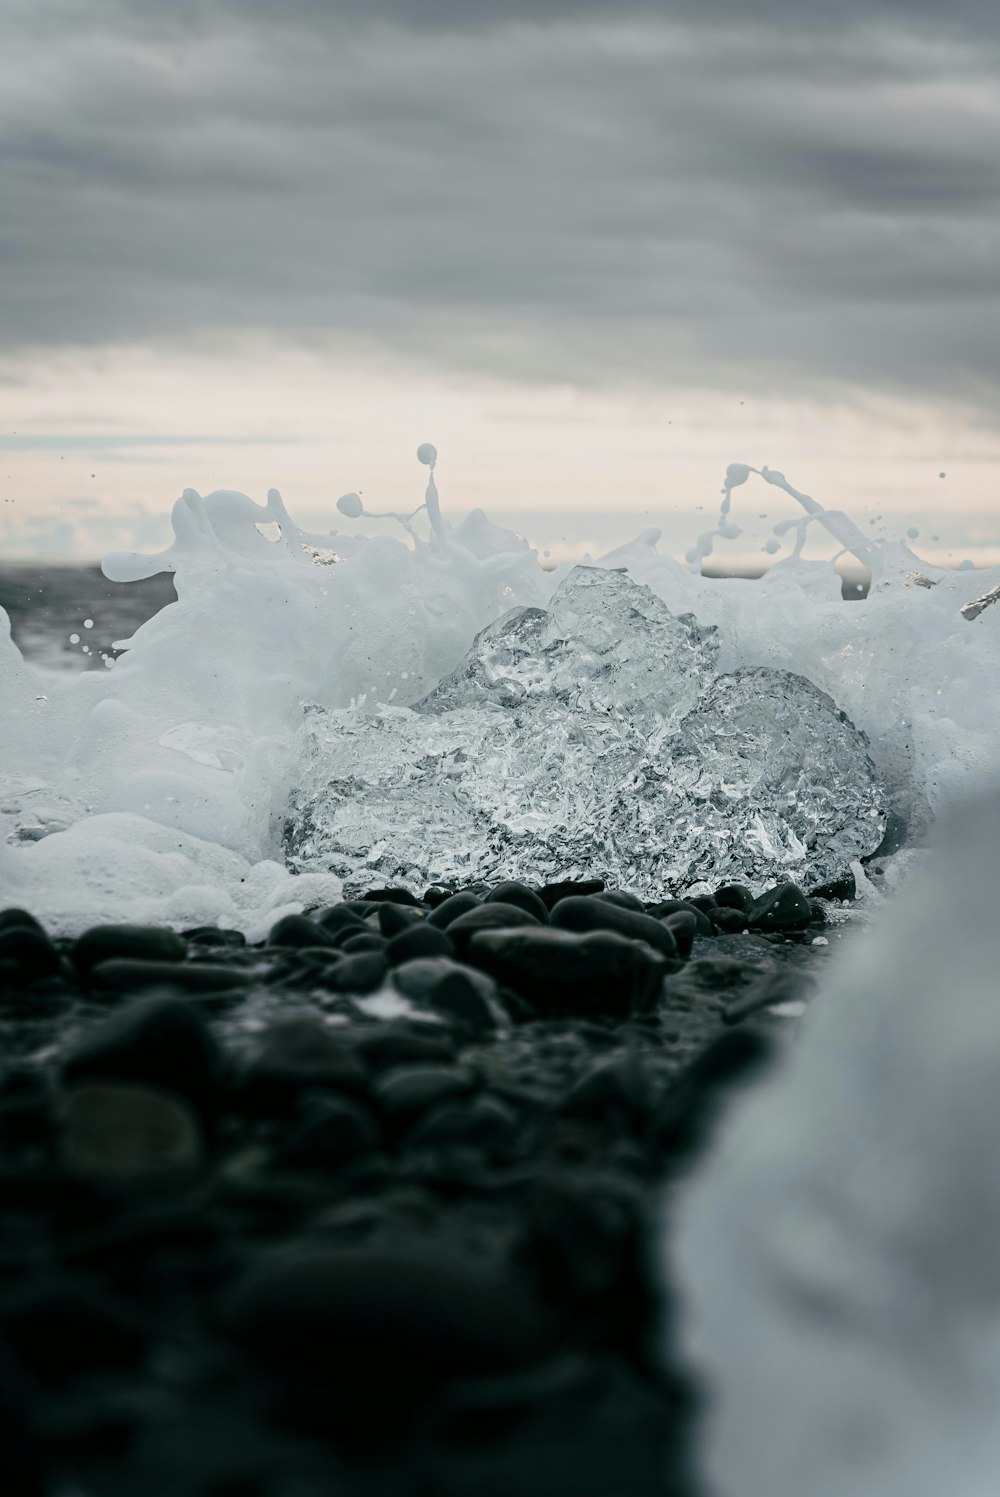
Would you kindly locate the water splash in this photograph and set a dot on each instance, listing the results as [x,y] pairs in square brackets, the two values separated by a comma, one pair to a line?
[199,729]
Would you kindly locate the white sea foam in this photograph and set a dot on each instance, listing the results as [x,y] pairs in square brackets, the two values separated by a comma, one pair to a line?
[198,729]
[838,1251]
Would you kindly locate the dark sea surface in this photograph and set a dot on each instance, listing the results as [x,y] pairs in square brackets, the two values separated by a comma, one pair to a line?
[48,604]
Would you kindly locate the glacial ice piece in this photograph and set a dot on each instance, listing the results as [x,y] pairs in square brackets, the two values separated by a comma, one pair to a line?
[592,738]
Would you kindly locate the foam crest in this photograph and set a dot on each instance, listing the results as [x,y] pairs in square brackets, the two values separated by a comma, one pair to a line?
[199,728]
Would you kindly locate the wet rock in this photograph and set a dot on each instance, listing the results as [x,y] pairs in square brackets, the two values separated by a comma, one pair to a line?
[212,936]
[144,943]
[582,915]
[393,919]
[452,989]
[123,975]
[521,897]
[383,1319]
[624,899]
[392,896]
[561,973]
[451,908]
[551,894]
[162,1043]
[676,906]
[26,955]
[296,1056]
[735,897]
[483,1123]
[728,920]
[620,1087]
[15,918]
[488,917]
[361,972]
[405,1092]
[122,1133]
[367,940]
[783,908]
[683,926]
[338,918]
[844,887]
[298,930]
[400,1043]
[421,940]
[332,1130]
[62,1327]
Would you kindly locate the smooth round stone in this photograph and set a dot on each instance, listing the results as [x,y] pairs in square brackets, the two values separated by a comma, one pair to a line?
[419,941]
[550,894]
[26,954]
[161,1043]
[62,1327]
[16,918]
[333,1130]
[675,906]
[783,908]
[366,940]
[384,1318]
[704,902]
[143,943]
[489,917]
[392,896]
[338,918]
[298,930]
[621,1084]
[296,1056]
[562,973]
[399,1043]
[522,898]
[393,919]
[844,887]
[623,898]
[122,975]
[451,908]
[360,972]
[120,1132]
[583,915]
[402,1094]
[481,1122]
[728,921]
[683,926]
[212,936]
[735,897]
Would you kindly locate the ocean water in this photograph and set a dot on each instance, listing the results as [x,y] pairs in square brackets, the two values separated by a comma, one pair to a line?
[153,783]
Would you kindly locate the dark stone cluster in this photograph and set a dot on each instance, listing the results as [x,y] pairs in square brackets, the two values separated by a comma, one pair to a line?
[369,1207]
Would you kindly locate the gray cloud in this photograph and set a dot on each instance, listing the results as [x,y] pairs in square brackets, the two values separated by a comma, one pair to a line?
[557,196]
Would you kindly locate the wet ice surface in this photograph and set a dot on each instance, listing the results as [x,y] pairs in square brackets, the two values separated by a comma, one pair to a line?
[596,737]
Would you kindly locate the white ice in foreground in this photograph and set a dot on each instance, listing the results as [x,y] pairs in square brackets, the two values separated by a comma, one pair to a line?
[594,737]
[839,1252]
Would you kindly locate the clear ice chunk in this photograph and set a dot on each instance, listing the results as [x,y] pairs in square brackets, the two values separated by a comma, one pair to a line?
[593,738]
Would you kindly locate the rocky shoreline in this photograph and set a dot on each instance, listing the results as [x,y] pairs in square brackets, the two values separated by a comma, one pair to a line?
[366,1208]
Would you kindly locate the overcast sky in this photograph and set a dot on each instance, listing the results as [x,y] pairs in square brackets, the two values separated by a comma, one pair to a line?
[245,243]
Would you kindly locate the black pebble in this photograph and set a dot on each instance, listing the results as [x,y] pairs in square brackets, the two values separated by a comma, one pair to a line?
[582,915]
[395,918]
[729,921]
[360,972]
[673,906]
[297,930]
[391,896]
[683,926]
[145,943]
[26,954]
[560,972]
[521,897]
[550,894]
[452,907]
[735,897]
[159,1042]
[844,887]
[419,941]
[488,917]
[332,1130]
[120,975]
[383,1319]
[405,1092]
[363,940]
[294,1056]
[783,908]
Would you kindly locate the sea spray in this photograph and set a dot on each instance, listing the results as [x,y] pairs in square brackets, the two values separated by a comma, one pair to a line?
[839,1250]
[198,731]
